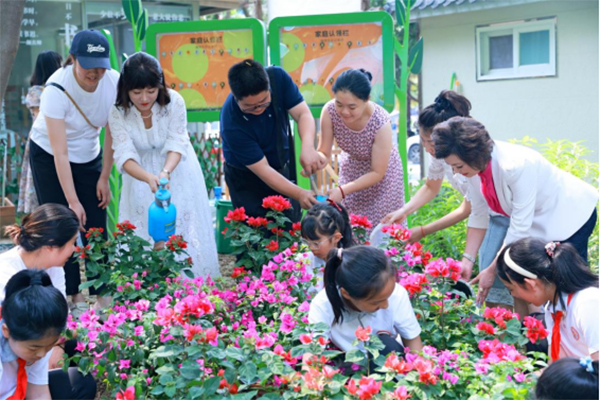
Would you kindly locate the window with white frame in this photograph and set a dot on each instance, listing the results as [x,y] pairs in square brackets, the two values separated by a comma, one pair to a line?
[516,50]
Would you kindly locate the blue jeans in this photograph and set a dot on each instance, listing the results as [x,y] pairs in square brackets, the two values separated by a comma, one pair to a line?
[491,245]
[581,238]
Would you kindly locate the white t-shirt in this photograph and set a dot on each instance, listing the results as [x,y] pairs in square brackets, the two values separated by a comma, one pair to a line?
[11,263]
[37,373]
[82,140]
[398,318]
[579,326]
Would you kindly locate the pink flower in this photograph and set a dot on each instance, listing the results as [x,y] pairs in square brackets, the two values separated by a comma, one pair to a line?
[363,334]
[535,329]
[397,364]
[367,388]
[138,330]
[80,346]
[401,393]
[124,364]
[304,307]
[305,338]
[485,327]
[128,394]
[266,342]
[520,377]
[137,285]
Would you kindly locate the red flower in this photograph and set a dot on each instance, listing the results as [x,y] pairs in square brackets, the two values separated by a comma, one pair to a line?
[95,232]
[257,222]
[239,214]
[413,283]
[128,394]
[485,327]
[272,246]
[125,225]
[176,242]
[237,271]
[397,232]
[305,338]
[276,203]
[363,334]
[425,258]
[499,315]
[360,220]
[535,329]
[296,226]
[277,232]
[398,364]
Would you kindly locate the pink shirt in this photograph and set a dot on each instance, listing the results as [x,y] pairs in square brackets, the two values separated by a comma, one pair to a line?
[489,191]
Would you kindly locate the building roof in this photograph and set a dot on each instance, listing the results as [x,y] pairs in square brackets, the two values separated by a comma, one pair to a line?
[434,8]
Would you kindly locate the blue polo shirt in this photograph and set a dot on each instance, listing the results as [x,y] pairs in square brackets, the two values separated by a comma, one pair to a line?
[248,138]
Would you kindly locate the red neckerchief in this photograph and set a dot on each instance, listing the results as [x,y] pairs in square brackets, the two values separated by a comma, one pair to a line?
[557,317]
[21,382]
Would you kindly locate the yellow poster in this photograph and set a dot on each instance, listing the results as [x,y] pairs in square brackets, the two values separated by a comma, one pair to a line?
[196,64]
[315,56]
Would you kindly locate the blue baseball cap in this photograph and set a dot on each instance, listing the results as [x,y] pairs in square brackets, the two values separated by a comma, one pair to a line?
[91,49]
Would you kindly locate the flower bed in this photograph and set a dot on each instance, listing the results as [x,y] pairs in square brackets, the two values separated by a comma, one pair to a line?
[174,337]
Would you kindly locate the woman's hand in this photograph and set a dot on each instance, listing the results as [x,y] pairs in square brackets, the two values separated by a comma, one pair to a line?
[467,269]
[396,217]
[306,198]
[163,174]
[103,192]
[335,194]
[485,279]
[152,181]
[80,212]
[416,234]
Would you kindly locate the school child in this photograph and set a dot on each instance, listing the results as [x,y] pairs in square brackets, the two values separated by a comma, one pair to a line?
[325,226]
[45,239]
[569,378]
[361,291]
[555,275]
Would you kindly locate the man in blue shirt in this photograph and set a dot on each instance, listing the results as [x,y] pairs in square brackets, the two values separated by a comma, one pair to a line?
[256,145]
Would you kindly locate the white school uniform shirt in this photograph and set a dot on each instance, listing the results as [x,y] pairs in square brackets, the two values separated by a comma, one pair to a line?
[37,373]
[82,140]
[579,326]
[11,263]
[542,200]
[470,188]
[398,318]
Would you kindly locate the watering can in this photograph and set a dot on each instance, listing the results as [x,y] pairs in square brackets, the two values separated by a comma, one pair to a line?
[162,214]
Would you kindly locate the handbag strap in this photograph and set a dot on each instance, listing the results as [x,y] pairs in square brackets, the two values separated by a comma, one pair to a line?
[286,121]
[56,85]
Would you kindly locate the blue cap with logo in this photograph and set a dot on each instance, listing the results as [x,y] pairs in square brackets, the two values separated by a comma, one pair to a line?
[90,47]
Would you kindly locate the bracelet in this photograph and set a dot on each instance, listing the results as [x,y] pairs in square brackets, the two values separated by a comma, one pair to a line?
[342,191]
[422,231]
[469,257]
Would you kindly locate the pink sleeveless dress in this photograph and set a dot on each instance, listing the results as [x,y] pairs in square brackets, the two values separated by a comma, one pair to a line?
[387,195]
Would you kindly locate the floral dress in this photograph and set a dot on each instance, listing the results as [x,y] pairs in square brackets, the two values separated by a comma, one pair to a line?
[149,147]
[387,195]
[27,198]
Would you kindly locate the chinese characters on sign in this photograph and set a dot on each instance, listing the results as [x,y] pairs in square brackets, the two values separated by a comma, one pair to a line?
[28,35]
[331,33]
[69,29]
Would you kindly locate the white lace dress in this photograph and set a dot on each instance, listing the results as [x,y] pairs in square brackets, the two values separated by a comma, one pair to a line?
[149,147]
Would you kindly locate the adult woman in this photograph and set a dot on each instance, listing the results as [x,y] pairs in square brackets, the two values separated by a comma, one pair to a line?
[149,128]
[518,182]
[67,162]
[447,104]
[371,178]
[46,64]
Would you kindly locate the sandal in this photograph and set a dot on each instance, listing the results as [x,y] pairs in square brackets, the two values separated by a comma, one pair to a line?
[77,309]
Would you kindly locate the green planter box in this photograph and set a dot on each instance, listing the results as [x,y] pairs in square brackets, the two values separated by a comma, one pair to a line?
[223,245]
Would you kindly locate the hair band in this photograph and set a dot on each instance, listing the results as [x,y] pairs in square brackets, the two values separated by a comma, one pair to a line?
[513,265]
[550,247]
[247,63]
[586,362]
[36,280]
[333,203]
[339,253]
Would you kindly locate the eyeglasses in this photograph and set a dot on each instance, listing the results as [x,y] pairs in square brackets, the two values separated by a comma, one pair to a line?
[256,107]
[315,244]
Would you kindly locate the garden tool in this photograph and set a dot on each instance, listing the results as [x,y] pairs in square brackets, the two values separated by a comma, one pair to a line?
[162,214]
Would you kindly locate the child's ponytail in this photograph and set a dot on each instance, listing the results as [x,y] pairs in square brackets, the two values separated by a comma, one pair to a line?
[569,378]
[334,261]
[32,307]
[362,271]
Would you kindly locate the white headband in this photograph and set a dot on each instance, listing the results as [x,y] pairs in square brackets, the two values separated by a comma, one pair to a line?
[520,270]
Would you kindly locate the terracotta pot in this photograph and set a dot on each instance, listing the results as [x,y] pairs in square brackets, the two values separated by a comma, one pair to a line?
[7,214]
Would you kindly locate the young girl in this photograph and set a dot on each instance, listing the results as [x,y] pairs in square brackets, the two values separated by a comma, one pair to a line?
[325,226]
[360,291]
[45,240]
[34,314]
[569,378]
[151,141]
[555,275]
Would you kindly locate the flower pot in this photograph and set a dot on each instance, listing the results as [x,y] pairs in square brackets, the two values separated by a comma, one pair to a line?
[7,214]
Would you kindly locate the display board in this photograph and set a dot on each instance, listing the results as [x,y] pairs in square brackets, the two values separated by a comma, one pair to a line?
[196,56]
[316,49]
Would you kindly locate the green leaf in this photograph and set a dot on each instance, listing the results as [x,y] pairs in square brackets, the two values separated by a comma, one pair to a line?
[189,370]
[170,391]
[400,12]
[415,57]
[248,373]
[196,392]
[142,25]
[158,390]
[355,356]
[132,9]
[245,396]
[212,384]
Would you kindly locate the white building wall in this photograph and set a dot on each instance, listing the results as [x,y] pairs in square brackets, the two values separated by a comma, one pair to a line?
[284,8]
[562,107]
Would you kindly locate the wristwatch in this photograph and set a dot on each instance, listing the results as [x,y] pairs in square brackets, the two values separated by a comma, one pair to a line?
[166,171]
[469,257]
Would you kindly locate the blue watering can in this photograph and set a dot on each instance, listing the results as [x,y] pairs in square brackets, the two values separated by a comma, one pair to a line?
[162,214]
